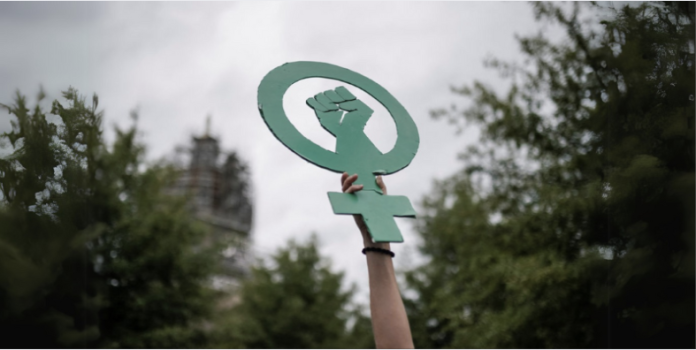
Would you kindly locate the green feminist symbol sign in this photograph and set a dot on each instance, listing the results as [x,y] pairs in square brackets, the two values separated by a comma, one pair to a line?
[345,116]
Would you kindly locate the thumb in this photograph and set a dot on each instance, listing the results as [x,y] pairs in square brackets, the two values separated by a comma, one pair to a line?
[381,184]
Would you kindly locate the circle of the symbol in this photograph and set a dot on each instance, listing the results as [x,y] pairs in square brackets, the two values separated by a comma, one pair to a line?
[270,98]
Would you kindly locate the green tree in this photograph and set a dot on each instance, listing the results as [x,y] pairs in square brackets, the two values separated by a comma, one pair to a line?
[92,251]
[294,301]
[572,223]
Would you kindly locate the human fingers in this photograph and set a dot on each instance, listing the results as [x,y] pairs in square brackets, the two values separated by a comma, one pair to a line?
[344,176]
[380,183]
[354,188]
[349,181]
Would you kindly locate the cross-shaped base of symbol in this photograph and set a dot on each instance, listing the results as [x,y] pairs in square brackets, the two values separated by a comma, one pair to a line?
[377,210]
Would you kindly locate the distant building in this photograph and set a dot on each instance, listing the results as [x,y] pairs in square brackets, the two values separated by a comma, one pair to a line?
[218,187]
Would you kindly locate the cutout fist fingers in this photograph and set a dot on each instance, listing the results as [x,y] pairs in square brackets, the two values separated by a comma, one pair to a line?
[329,100]
[330,105]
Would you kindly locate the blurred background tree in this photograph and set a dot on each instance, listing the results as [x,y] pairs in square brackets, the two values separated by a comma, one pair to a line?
[96,251]
[572,224]
[92,252]
[295,301]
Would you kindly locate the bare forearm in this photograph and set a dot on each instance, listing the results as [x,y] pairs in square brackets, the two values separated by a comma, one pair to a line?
[389,322]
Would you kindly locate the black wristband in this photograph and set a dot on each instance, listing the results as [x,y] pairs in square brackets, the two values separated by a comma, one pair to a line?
[378,250]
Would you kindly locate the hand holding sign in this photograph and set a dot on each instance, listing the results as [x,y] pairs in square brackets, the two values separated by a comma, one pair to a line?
[345,117]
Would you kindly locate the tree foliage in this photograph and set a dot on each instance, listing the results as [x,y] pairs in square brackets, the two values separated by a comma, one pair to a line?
[92,252]
[572,223]
[294,301]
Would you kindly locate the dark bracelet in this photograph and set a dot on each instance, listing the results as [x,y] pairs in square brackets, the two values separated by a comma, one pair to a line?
[378,250]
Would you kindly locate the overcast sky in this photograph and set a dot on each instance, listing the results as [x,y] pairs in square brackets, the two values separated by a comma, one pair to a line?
[178,62]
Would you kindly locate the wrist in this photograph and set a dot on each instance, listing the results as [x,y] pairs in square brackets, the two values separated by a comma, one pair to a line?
[386,252]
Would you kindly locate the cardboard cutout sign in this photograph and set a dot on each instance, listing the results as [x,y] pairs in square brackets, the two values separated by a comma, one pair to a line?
[344,116]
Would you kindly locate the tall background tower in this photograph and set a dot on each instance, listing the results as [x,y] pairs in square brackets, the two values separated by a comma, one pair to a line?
[217,184]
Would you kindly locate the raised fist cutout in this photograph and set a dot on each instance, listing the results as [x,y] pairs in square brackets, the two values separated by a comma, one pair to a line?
[330,106]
